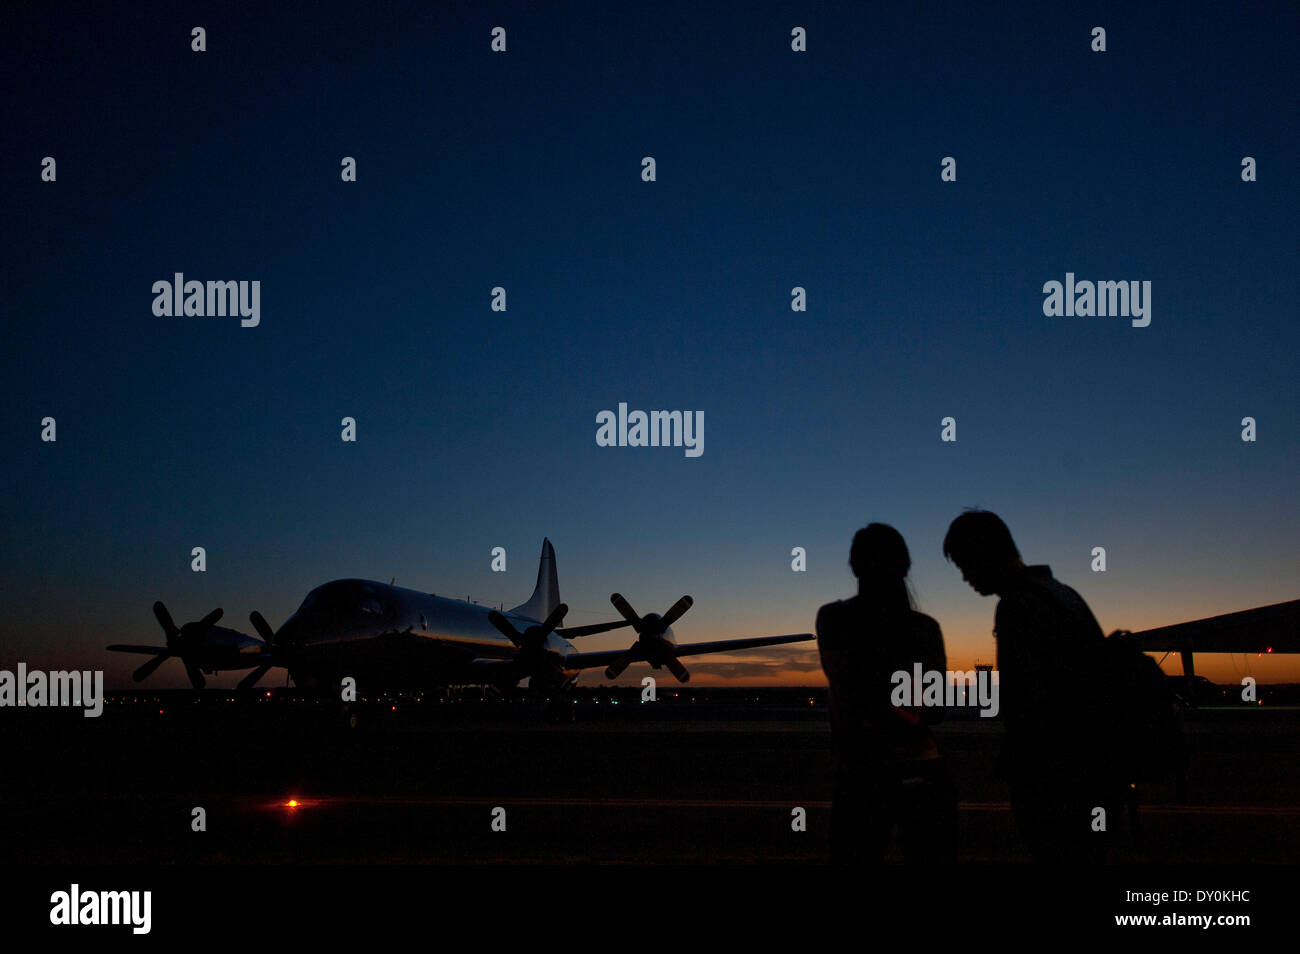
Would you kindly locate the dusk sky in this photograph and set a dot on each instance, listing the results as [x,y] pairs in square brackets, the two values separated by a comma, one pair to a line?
[774,169]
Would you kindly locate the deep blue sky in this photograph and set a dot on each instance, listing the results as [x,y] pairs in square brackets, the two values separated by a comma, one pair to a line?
[775,169]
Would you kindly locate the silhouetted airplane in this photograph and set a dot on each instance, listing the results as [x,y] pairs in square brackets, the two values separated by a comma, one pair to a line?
[388,637]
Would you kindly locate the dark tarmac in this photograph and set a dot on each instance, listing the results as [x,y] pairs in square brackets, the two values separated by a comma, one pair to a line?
[661,783]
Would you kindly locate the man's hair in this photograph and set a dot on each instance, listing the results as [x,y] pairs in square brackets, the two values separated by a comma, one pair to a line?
[878,551]
[979,535]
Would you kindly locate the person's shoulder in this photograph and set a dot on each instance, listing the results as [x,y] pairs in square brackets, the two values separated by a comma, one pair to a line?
[1066,590]
[1035,586]
[924,623]
[1078,611]
[1012,601]
[1015,608]
[829,617]
[1062,593]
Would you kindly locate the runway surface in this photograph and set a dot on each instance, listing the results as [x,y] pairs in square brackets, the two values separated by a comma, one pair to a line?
[421,784]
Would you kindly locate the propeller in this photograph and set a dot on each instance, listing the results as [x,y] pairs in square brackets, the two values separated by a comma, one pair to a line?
[534,658]
[145,671]
[652,644]
[267,635]
[184,642]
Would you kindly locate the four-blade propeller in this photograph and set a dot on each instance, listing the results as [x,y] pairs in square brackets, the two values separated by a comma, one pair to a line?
[652,644]
[534,659]
[267,635]
[184,642]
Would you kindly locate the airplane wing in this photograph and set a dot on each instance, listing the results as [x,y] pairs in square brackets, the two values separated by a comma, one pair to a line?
[605,658]
[1264,629]
[149,650]
[723,645]
[492,648]
[570,632]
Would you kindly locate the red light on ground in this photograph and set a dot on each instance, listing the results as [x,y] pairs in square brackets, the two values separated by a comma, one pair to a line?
[1269,650]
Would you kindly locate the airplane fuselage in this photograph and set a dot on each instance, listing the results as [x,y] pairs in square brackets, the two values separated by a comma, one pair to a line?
[388,635]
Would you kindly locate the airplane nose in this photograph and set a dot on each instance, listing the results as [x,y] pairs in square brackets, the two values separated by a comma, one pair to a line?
[292,632]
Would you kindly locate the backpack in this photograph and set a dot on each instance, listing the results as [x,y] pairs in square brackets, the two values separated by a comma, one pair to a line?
[1143,715]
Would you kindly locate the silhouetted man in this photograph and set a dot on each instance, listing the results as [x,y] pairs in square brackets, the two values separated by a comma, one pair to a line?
[887,767]
[1049,663]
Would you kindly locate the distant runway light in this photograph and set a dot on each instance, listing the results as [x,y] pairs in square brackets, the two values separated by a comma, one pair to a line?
[291,803]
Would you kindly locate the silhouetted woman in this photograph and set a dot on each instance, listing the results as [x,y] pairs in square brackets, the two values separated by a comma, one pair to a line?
[888,769]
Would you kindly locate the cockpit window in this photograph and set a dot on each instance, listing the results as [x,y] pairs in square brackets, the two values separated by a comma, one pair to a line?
[371,606]
[334,598]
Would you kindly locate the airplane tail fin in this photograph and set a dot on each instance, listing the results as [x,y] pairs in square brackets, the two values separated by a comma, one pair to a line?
[546,595]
